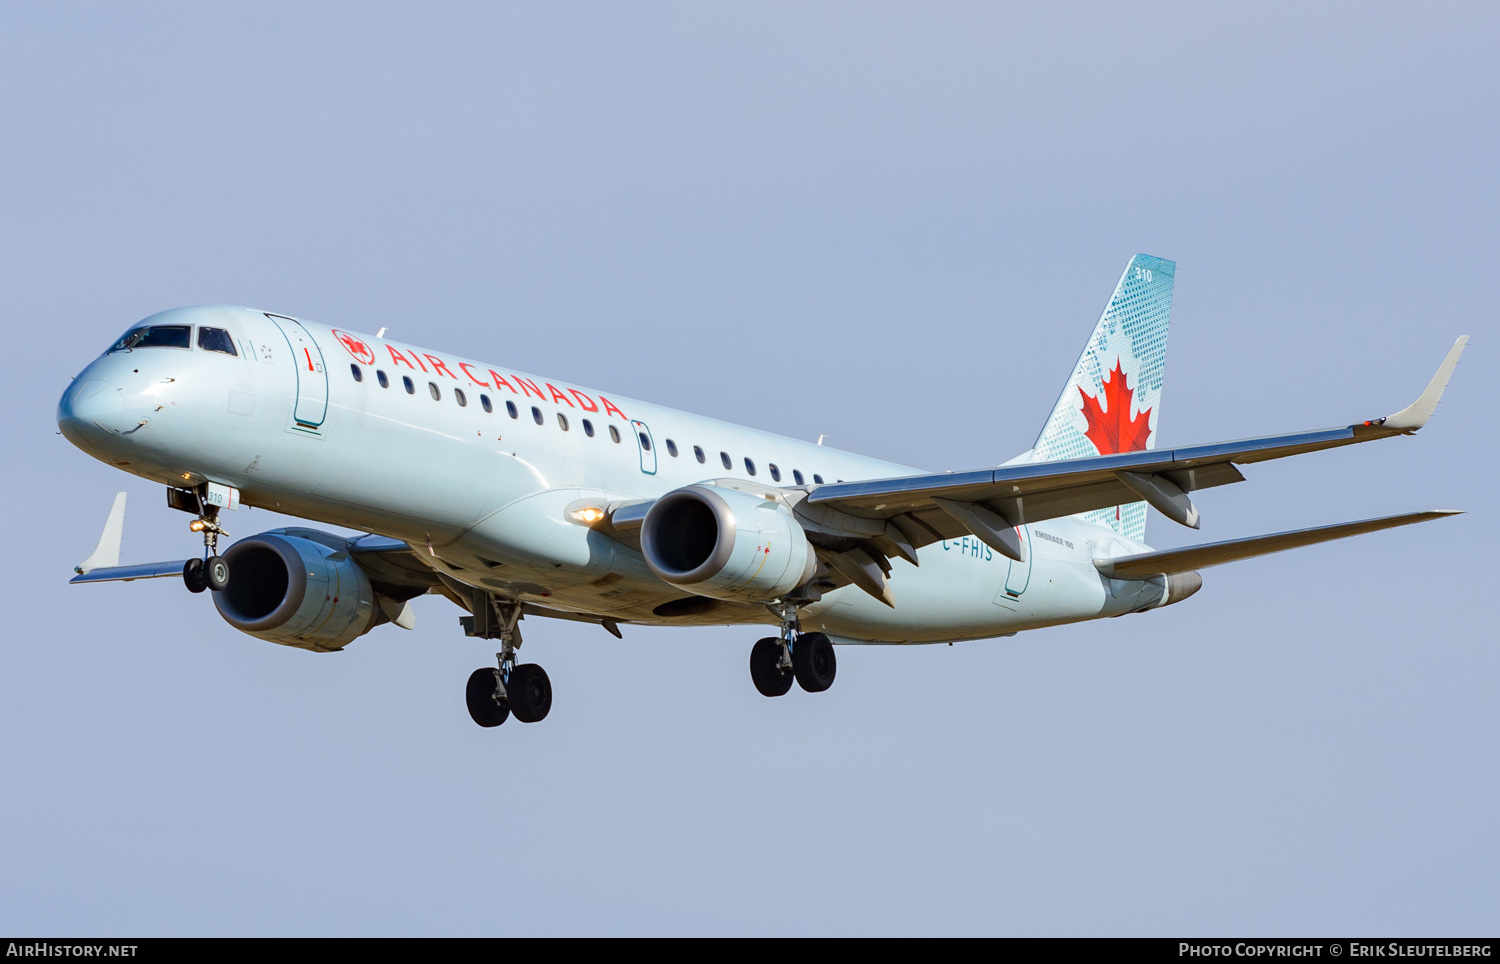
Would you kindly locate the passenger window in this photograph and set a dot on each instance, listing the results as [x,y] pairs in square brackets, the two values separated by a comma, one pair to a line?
[434,391]
[359,376]
[406,383]
[510,407]
[645,441]
[588,428]
[484,403]
[536,415]
[156,336]
[216,339]
[614,434]
[380,377]
[817,478]
[749,466]
[698,453]
[728,462]
[562,421]
[775,472]
[797,476]
[460,398]
[672,448]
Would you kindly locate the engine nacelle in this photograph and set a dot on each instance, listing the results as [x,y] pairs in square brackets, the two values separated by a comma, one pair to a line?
[297,591]
[720,542]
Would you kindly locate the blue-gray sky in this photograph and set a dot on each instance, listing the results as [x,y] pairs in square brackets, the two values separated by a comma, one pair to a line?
[893,224]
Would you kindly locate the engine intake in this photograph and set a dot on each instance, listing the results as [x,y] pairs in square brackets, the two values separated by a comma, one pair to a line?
[726,544]
[297,591]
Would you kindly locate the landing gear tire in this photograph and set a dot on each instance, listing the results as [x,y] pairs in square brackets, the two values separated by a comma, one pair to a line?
[480,695]
[769,678]
[814,662]
[530,693]
[216,573]
[195,575]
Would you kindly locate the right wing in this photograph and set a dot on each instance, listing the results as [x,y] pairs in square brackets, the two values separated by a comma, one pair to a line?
[103,564]
[147,570]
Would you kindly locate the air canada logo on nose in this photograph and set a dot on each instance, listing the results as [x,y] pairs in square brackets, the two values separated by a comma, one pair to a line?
[355,347]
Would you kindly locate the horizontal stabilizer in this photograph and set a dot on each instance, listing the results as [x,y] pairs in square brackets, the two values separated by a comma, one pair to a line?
[1216,553]
[146,570]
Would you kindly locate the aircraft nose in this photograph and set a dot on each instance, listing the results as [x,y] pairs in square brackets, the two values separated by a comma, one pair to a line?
[89,411]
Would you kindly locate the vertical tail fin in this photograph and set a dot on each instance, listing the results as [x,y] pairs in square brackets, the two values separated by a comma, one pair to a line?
[1112,400]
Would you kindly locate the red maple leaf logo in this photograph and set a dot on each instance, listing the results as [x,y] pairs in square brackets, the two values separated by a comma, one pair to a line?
[355,347]
[1114,430]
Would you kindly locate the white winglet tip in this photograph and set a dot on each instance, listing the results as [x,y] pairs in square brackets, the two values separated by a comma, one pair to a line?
[107,553]
[1415,415]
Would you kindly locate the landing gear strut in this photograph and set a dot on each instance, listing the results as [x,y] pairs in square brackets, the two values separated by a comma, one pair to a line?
[495,695]
[806,657]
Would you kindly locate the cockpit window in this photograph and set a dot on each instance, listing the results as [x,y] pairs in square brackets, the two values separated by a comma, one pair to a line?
[216,339]
[156,336]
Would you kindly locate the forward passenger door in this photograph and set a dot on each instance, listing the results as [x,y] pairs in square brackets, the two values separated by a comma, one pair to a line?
[312,375]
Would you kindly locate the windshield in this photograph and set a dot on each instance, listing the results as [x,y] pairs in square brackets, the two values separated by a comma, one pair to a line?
[156,336]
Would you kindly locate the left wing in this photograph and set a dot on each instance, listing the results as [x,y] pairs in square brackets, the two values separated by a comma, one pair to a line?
[990,503]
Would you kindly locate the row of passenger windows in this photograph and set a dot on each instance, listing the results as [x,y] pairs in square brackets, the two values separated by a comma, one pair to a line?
[588,426]
[175,336]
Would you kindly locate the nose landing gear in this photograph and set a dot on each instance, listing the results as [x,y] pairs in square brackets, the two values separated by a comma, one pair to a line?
[210,572]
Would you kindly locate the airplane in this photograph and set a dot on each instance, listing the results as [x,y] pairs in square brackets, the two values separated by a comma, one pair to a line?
[516,495]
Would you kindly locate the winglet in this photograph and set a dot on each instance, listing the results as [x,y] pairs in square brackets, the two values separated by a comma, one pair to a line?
[107,553]
[1415,415]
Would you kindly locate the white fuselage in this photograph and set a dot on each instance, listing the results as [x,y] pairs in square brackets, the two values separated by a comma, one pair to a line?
[482,495]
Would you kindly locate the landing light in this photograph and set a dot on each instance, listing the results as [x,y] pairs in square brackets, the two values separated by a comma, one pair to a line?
[196,525]
[588,515]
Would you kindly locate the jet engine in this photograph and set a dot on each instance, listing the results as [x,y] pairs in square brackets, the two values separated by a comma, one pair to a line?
[297,591]
[720,542]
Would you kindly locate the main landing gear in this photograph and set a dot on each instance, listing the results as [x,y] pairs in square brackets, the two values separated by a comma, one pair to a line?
[210,572]
[806,657]
[494,695]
